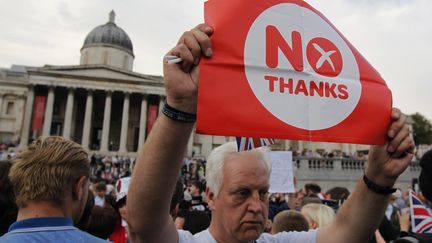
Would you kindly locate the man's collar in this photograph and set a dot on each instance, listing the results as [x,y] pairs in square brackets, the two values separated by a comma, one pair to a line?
[41,222]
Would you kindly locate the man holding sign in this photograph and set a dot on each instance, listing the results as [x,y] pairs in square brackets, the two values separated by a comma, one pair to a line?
[237,182]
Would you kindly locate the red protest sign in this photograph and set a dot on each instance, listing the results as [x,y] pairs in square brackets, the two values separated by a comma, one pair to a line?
[280,69]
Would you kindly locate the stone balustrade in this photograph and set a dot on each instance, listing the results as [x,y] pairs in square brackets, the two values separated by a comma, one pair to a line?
[330,172]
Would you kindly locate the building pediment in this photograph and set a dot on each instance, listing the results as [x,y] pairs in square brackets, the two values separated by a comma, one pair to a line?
[95,72]
[96,77]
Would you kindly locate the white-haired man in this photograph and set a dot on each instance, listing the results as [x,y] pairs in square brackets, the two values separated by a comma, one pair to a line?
[238,182]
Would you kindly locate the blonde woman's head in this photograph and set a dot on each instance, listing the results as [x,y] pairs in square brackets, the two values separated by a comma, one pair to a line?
[318,215]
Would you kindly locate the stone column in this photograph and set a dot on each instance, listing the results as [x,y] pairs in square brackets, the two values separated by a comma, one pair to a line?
[87,120]
[207,145]
[68,115]
[161,103]
[143,120]
[48,113]
[106,123]
[353,149]
[1,103]
[20,118]
[346,148]
[287,145]
[300,146]
[25,132]
[125,124]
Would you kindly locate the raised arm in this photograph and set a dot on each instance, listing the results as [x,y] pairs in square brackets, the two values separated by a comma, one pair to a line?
[362,213]
[159,161]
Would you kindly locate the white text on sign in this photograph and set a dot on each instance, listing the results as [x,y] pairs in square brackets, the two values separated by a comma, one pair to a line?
[323,56]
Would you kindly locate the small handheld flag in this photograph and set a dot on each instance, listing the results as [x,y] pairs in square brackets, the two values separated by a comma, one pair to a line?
[421,218]
[246,143]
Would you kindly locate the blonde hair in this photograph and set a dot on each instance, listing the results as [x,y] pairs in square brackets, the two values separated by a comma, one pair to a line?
[321,214]
[216,162]
[47,169]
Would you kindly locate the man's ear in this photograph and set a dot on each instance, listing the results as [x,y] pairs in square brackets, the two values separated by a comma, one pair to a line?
[313,224]
[210,196]
[79,188]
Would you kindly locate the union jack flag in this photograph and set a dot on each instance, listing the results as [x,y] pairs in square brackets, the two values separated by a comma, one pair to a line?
[421,218]
[244,143]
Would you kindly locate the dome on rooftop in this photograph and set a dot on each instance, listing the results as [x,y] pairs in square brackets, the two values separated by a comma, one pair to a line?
[109,34]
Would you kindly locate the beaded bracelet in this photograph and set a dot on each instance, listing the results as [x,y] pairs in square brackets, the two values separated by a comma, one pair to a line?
[178,115]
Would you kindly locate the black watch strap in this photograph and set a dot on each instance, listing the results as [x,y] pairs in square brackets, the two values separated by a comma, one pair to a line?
[383,190]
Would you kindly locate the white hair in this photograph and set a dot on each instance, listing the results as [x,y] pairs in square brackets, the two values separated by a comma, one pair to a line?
[217,158]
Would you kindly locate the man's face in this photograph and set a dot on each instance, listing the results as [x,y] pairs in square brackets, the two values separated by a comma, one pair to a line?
[193,190]
[298,200]
[100,193]
[303,191]
[241,208]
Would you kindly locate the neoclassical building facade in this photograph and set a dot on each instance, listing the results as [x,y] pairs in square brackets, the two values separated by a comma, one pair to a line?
[100,103]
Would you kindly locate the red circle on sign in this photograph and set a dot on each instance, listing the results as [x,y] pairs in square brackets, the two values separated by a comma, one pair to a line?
[324,57]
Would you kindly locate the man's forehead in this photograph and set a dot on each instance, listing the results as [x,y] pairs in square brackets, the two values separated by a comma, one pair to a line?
[246,157]
[241,166]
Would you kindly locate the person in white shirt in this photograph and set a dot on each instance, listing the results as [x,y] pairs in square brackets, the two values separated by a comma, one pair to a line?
[237,195]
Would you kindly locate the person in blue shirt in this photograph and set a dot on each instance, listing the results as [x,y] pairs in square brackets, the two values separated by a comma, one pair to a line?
[50,179]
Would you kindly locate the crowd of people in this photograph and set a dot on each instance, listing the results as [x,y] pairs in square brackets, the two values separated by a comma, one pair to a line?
[105,214]
[53,191]
[334,154]
[110,168]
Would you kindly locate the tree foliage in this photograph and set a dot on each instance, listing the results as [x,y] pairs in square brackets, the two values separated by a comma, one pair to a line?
[422,129]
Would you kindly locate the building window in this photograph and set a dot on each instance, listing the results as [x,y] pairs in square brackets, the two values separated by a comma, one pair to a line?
[10,107]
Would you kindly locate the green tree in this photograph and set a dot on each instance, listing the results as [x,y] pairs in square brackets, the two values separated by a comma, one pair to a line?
[422,129]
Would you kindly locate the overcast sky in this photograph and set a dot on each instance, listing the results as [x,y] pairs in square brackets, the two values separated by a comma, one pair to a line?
[395,36]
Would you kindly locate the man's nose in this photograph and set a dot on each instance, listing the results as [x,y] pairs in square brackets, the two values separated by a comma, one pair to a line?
[255,203]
